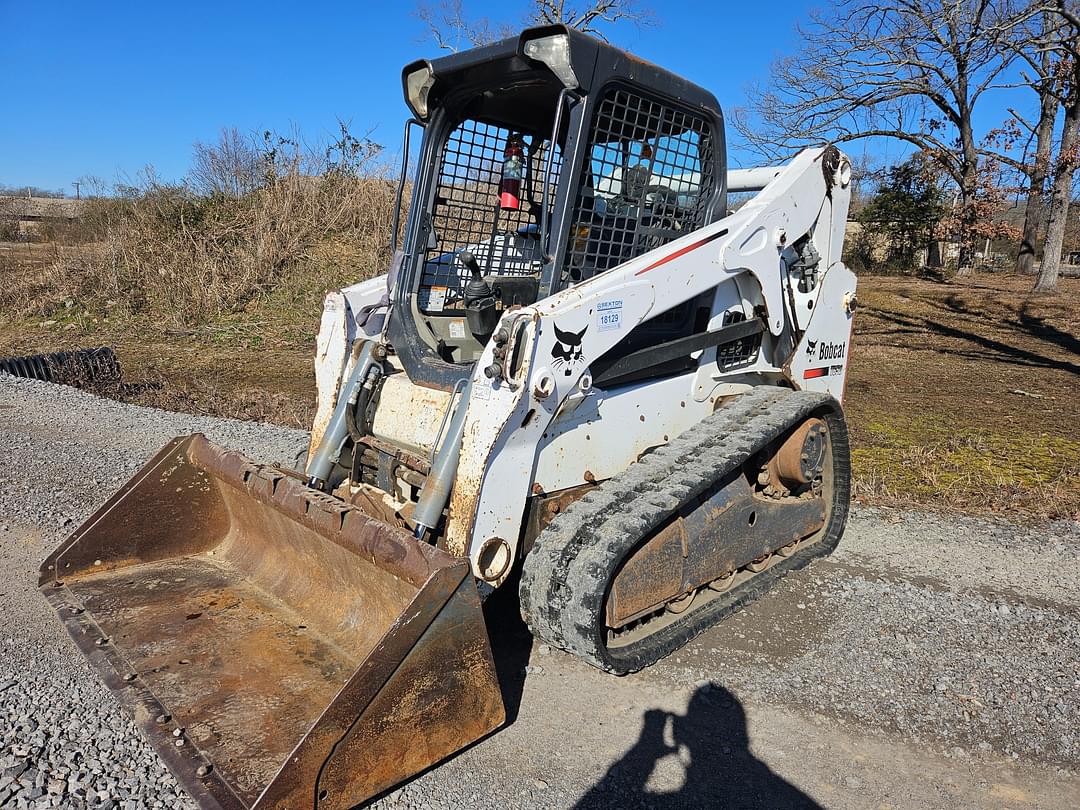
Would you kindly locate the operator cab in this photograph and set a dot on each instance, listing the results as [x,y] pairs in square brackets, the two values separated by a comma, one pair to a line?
[546,159]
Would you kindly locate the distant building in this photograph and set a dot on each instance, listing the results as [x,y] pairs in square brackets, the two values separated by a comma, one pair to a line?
[30,213]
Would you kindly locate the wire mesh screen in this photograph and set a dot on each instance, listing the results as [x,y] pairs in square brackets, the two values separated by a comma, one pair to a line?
[740,352]
[466,212]
[647,181]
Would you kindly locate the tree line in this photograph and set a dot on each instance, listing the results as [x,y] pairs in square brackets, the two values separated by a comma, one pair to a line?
[916,71]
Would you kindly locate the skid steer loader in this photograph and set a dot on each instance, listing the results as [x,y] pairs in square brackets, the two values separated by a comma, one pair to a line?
[582,374]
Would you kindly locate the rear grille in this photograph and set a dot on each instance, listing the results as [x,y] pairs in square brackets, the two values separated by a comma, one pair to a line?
[740,352]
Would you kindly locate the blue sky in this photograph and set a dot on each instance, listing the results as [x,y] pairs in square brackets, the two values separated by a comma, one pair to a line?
[104,89]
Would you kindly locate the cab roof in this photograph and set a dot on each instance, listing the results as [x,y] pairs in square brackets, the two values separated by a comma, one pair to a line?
[502,67]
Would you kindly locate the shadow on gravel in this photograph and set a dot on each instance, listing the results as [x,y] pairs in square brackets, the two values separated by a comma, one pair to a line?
[511,644]
[713,745]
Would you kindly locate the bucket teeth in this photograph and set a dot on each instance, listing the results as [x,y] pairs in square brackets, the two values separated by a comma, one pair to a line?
[274,643]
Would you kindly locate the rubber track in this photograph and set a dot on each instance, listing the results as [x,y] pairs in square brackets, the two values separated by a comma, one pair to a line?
[566,576]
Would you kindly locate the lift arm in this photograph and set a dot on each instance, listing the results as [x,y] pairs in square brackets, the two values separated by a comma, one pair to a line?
[556,339]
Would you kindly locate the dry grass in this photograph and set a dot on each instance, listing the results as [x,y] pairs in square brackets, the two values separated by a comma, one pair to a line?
[258,218]
[913,460]
[168,252]
[964,395]
[206,398]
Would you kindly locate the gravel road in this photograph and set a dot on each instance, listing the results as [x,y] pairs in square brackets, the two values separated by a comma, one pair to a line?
[932,661]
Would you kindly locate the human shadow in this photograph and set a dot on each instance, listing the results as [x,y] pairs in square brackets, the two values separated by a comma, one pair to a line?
[712,743]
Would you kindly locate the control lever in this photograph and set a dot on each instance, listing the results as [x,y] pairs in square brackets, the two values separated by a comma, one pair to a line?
[480,308]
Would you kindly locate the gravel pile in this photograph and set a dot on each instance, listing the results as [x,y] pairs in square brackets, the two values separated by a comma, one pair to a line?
[65,744]
[968,660]
[975,673]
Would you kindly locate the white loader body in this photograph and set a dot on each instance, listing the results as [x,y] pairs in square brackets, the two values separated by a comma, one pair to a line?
[532,433]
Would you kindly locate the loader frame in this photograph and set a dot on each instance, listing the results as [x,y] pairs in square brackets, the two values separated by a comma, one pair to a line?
[591,348]
[510,443]
[507,417]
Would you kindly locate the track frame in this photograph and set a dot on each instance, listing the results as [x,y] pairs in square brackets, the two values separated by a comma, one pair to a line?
[567,576]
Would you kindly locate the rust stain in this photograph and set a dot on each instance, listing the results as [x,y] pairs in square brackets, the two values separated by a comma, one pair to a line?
[732,527]
[260,624]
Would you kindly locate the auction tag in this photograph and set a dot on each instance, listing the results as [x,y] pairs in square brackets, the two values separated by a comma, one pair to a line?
[432,299]
[609,315]
[457,329]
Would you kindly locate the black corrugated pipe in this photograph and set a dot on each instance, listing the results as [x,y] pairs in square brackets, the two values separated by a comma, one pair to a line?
[79,367]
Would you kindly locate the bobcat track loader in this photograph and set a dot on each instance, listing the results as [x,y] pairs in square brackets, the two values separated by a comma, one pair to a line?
[583,375]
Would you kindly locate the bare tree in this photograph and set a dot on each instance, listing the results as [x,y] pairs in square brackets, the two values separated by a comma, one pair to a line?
[1032,41]
[229,167]
[912,70]
[1067,47]
[453,29]
[592,19]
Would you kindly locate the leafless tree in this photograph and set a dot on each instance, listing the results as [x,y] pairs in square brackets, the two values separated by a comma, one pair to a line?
[912,70]
[229,167]
[453,29]
[1066,47]
[592,19]
[1032,40]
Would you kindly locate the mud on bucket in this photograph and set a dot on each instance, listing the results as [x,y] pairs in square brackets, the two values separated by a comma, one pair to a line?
[279,648]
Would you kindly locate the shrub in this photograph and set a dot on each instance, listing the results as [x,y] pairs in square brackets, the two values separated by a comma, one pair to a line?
[192,252]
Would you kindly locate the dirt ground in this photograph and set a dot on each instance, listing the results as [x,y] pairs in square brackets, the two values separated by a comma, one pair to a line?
[962,394]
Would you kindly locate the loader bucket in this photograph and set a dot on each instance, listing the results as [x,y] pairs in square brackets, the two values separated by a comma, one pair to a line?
[278,647]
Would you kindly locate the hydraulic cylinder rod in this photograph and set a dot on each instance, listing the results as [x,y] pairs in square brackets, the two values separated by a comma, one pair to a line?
[440,480]
[318,469]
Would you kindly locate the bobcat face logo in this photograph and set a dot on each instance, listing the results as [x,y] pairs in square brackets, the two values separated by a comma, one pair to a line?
[811,347]
[567,350]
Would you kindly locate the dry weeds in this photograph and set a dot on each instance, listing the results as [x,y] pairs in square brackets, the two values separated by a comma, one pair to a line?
[188,253]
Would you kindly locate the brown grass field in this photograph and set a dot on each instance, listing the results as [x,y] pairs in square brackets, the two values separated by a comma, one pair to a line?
[962,394]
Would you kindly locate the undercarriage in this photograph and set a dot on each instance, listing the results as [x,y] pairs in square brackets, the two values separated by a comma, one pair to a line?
[648,560]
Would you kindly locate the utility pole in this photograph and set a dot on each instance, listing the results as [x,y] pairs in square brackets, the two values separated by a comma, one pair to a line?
[76,184]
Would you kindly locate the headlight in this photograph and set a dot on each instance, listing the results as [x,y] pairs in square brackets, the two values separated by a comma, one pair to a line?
[417,86]
[554,51]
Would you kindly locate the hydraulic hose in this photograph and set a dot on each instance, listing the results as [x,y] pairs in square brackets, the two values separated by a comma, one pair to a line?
[337,430]
[356,417]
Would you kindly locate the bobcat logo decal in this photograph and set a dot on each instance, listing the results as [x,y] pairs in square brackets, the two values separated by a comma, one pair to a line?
[567,349]
[811,347]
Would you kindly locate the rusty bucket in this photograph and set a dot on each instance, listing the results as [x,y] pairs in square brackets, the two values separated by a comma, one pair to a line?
[279,648]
